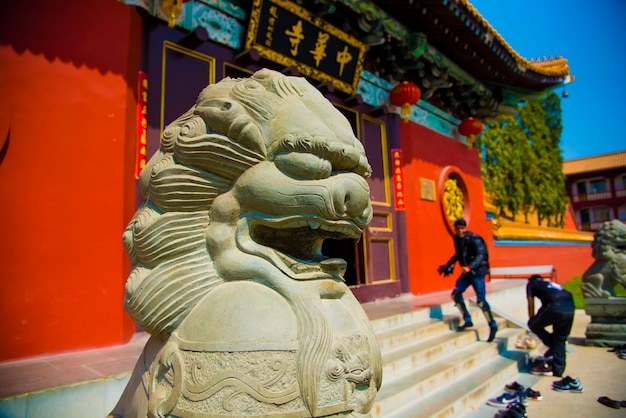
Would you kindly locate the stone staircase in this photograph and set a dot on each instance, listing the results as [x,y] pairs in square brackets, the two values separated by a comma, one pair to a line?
[430,370]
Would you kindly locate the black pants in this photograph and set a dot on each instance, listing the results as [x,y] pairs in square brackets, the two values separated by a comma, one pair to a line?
[561,319]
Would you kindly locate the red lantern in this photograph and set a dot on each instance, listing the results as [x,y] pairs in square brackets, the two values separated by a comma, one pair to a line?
[405,95]
[470,127]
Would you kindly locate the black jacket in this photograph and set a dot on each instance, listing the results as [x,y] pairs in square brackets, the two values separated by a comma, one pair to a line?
[471,251]
[552,295]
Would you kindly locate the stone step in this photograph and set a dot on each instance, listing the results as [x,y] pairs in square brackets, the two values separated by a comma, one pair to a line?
[458,397]
[396,339]
[424,351]
[481,409]
[416,316]
[392,339]
[420,382]
[401,320]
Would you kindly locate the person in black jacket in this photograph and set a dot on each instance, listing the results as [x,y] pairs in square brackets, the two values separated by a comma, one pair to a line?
[557,309]
[471,254]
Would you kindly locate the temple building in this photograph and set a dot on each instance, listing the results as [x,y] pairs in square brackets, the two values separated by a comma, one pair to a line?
[90,86]
[597,189]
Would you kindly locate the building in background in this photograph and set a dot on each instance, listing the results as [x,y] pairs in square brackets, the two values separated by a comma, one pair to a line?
[597,189]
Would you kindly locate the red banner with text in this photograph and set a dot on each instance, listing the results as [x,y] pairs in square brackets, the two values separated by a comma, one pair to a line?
[398,178]
[142,123]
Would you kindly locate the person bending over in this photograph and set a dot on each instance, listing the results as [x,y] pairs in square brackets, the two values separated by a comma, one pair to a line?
[557,309]
[471,254]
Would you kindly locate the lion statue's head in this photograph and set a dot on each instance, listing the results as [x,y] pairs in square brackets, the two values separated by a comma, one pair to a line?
[609,268]
[274,130]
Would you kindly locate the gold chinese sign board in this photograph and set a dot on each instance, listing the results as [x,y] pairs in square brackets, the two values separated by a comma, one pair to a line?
[287,34]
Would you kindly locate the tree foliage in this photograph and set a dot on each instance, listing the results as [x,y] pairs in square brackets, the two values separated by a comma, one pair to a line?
[521,165]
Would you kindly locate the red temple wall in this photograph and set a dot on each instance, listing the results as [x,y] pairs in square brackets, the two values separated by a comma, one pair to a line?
[569,260]
[428,155]
[68,82]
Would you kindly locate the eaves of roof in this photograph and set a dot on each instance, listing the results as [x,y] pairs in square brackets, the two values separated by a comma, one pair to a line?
[595,163]
[457,30]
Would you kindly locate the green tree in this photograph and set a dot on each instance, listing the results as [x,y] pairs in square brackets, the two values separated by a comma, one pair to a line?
[552,108]
[521,164]
[501,167]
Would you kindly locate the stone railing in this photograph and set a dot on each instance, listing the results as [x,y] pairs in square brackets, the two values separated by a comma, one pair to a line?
[592,196]
[591,226]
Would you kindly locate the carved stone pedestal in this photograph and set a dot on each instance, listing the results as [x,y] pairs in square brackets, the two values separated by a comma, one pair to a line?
[608,321]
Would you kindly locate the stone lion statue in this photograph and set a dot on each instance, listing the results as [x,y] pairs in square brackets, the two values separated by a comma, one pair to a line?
[609,267]
[247,316]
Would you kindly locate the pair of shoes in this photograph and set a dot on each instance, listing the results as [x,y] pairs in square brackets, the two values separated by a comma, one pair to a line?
[464,326]
[543,368]
[493,328]
[534,395]
[526,342]
[567,384]
[605,400]
[508,399]
[514,387]
[531,394]
[514,410]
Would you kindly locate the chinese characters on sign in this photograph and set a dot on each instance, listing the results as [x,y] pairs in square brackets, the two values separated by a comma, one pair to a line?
[142,123]
[286,33]
[295,37]
[398,178]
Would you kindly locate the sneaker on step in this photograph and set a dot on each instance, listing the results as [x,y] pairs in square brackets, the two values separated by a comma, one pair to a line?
[514,410]
[508,399]
[566,379]
[464,326]
[567,384]
[514,387]
[533,395]
[544,368]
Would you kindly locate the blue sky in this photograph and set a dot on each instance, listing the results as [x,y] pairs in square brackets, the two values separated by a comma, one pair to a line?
[592,37]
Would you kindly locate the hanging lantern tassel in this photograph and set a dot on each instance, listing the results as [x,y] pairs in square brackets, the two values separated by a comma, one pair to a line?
[405,111]
[405,95]
[470,127]
[471,140]
[172,9]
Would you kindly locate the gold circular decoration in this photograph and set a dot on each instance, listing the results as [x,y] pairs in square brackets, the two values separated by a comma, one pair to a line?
[453,196]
